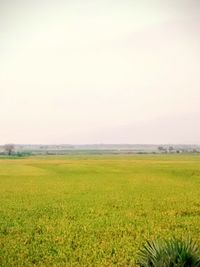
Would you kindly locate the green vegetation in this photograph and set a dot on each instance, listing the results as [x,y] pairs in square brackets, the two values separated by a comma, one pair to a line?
[170,253]
[94,210]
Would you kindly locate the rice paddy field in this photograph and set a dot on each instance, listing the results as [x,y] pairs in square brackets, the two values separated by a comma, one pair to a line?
[94,210]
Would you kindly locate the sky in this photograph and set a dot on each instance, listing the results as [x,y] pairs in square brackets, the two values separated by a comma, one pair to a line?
[99,71]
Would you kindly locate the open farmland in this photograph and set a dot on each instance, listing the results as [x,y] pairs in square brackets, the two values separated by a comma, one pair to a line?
[94,210]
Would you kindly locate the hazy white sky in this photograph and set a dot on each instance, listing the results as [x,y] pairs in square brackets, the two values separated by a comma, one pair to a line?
[107,71]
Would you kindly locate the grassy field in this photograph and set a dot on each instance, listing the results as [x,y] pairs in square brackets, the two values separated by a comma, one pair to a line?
[94,210]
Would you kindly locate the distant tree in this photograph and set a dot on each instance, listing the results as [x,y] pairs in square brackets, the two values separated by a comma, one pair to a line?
[161,148]
[9,148]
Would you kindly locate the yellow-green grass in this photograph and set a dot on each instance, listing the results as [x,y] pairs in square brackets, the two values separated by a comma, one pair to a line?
[94,210]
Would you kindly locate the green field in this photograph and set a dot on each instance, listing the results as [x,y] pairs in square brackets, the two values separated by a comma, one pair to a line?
[94,210]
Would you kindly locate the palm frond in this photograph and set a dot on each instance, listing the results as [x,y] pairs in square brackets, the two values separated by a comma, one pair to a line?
[169,253]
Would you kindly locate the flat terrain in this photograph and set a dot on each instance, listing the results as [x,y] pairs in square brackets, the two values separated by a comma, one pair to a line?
[94,210]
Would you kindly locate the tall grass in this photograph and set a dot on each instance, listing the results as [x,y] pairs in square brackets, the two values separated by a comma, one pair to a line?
[85,210]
